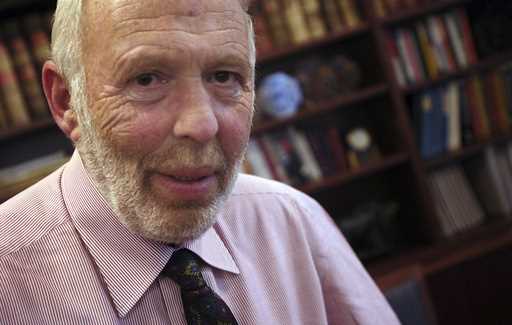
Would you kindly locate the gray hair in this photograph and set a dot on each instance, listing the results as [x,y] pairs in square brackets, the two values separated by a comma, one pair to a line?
[67,41]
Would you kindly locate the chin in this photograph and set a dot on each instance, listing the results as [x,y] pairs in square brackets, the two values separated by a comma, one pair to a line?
[171,224]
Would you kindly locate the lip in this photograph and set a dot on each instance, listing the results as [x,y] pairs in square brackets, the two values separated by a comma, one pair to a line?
[186,184]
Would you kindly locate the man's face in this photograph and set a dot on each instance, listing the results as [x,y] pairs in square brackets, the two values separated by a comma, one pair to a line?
[169,97]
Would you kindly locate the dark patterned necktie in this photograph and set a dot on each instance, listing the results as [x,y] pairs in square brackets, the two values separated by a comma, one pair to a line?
[202,305]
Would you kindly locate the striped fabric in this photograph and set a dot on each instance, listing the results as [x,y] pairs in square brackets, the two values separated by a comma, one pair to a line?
[274,257]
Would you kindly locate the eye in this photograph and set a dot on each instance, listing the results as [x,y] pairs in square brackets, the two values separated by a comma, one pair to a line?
[148,79]
[148,86]
[223,77]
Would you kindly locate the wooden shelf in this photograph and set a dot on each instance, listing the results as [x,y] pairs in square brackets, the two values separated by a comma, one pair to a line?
[465,152]
[282,53]
[324,107]
[32,127]
[451,251]
[488,63]
[349,176]
[413,13]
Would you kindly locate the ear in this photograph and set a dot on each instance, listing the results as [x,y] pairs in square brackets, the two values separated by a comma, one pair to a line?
[57,94]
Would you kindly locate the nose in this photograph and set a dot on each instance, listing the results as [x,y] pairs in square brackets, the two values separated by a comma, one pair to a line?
[196,119]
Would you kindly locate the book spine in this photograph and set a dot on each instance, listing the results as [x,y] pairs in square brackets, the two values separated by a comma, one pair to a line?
[427,50]
[257,160]
[456,40]
[314,19]
[332,15]
[11,91]
[39,40]
[337,149]
[413,51]
[481,106]
[296,21]
[406,58]
[276,20]
[396,62]
[263,39]
[27,76]
[467,35]
[350,13]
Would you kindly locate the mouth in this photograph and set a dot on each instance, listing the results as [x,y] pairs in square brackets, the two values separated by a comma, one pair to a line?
[186,184]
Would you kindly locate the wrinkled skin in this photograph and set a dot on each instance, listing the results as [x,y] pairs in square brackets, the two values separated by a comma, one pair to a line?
[170,95]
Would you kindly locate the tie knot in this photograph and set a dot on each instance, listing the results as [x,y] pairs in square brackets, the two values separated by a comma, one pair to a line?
[183,268]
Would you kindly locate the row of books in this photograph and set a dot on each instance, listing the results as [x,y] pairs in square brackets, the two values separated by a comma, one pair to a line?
[300,156]
[279,23]
[383,8]
[465,195]
[24,47]
[463,112]
[433,46]
[456,203]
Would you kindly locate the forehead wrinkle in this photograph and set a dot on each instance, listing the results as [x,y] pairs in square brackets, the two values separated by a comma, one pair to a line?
[171,20]
[197,33]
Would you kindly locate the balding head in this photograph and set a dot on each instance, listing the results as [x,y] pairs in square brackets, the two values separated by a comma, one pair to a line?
[71,24]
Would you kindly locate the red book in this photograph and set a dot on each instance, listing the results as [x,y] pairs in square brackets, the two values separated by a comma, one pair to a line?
[467,35]
[29,78]
[450,55]
[476,120]
[336,146]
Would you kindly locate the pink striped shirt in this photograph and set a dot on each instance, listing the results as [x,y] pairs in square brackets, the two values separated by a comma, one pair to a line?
[274,256]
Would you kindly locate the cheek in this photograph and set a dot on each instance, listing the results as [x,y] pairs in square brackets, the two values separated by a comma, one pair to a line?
[134,131]
[234,131]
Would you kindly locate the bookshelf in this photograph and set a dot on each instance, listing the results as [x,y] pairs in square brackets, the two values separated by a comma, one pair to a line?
[380,104]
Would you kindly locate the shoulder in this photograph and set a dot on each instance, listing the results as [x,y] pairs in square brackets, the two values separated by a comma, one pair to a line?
[266,205]
[31,214]
[254,189]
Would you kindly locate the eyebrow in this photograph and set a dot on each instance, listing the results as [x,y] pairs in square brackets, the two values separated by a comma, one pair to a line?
[145,55]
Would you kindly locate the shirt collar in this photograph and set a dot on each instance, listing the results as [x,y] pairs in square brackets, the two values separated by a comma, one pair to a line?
[127,262]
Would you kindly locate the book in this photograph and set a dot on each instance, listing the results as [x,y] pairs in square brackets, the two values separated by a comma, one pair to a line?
[14,102]
[276,22]
[456,40]
[255,156]
[466,34]
[350,13]
[38,39]
[313,13]
[456,203]
[26,72]
[261,30]
[452,108]
[4,123]
[406,58]
[440,44]
[485,176]
[332,16]
[310,167]
[296,21]
[481,106]
[496,104]
[426,50]
[467,133]
[396,62]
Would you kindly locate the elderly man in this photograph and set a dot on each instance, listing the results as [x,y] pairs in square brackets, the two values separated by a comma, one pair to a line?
[149,222]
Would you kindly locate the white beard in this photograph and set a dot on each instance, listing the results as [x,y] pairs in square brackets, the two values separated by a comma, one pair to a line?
[123,182]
